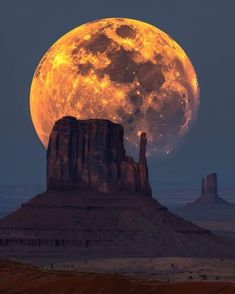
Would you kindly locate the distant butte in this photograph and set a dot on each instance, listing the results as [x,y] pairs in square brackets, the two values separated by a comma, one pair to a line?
[98,202]
[209,194]
[209,210]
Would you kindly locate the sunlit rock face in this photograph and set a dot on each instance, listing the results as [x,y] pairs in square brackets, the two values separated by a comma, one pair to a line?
[90,155]
[122,70]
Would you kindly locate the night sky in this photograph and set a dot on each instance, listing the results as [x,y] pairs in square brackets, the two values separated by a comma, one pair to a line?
[204,29]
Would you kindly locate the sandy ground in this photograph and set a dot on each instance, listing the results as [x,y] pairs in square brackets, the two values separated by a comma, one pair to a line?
[22,278]
[176,269]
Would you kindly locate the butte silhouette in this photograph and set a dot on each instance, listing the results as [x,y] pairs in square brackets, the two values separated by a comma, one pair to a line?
[99,202]
[209,206]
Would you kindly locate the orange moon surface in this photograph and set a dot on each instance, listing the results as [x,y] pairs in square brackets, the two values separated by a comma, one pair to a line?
[120,69]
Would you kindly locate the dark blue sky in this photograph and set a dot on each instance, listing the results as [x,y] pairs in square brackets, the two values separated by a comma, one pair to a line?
[205,29]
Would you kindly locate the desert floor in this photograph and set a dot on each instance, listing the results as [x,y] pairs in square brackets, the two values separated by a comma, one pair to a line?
[174,269]
[22,278]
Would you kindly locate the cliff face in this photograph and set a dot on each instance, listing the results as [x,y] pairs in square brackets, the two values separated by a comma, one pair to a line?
[90,154]
[211,183]
[209,192]
[209,189]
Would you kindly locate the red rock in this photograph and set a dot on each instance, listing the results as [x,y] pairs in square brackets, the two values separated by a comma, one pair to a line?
[143,168]
[211,183]
[90,154]
[209,195]
[106,214]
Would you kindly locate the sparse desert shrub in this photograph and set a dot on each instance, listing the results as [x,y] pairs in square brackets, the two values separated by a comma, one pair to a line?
[204,277]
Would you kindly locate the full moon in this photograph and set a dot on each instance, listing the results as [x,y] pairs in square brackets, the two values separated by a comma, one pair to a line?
[120,69]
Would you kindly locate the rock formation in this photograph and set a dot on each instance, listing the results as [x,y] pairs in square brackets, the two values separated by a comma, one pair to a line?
[209,205]
[90,154]
[203,186]
[209,194]
[209,209]
[94,203]
[211,183]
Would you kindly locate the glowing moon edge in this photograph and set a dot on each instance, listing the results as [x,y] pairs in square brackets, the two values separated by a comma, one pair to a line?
[120,69]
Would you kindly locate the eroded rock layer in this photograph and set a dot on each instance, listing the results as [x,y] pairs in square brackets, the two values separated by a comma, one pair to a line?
[90,154]
[94,204]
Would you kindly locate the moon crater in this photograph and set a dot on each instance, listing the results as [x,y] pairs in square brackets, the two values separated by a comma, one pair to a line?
[119,69]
